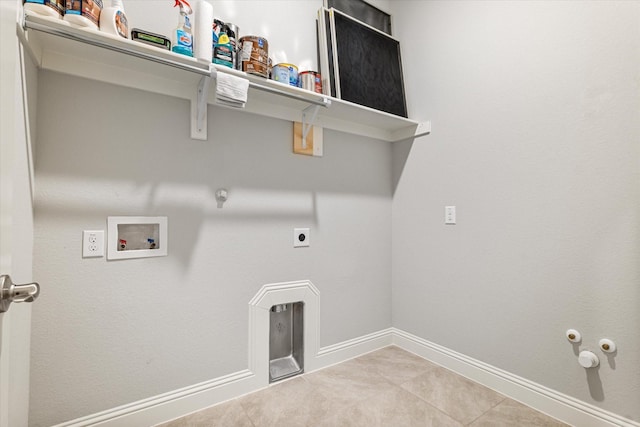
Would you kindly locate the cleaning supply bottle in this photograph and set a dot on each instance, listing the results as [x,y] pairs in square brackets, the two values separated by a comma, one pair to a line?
[182,36]
[83,13]
[113,20]
[223,51]
[53,8]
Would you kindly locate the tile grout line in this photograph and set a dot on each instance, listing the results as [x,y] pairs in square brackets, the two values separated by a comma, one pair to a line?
[421,372]
[431,405]
[244,411]
[487,411]
[426,401]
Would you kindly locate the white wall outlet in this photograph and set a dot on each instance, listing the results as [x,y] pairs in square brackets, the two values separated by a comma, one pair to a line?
[449,214]
[301,237]
[92,243]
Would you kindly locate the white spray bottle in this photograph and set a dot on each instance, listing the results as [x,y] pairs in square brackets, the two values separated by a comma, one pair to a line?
[182,37]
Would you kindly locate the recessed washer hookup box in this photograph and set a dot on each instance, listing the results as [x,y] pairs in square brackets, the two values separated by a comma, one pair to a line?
[136,236]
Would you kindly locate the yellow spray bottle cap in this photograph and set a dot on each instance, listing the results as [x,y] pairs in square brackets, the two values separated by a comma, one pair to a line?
[223,39]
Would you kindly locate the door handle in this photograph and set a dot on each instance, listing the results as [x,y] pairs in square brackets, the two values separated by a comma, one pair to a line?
[10,292]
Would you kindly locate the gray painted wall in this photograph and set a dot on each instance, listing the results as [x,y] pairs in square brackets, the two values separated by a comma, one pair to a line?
[106,333]
[536,140]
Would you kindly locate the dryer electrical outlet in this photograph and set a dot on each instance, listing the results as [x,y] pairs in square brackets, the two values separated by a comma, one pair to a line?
[301,237]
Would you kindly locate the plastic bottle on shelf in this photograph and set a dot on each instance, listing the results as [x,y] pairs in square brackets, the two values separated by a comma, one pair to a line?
[114,21]
[182,37]
[232,32]
[50,8]
[83,13]
[223,52]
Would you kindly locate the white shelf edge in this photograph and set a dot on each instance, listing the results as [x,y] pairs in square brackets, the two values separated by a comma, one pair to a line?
[422,129]
[89,36]
[280,101]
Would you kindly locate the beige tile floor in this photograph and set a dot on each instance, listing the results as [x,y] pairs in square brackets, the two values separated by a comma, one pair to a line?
[388,387]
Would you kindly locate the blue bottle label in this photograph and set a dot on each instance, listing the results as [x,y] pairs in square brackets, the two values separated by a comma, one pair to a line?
[184,39]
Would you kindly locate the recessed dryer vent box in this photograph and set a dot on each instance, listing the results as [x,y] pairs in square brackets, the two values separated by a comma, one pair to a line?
[136,236]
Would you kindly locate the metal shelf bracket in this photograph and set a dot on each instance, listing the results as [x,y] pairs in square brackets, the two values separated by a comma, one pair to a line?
[199,109]
[308,124]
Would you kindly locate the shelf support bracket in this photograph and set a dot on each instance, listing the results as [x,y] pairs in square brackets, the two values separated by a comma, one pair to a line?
[199,109]
[307,125]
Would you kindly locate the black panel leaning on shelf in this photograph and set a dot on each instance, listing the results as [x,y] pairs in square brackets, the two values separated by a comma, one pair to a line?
[364,12]
[363,64]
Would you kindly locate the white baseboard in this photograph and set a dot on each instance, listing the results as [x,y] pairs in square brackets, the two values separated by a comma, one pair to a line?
[180,402]
[350,349]
[167,406]
[553,403]
[190,399]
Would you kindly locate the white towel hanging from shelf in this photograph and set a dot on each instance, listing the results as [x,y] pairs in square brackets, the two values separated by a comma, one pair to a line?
[231,90]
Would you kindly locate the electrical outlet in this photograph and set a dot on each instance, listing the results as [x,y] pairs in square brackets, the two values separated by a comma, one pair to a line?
[92,243]
[301,237]
[449,214]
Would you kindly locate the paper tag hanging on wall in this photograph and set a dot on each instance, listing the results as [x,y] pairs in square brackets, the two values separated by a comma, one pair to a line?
[314,140]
